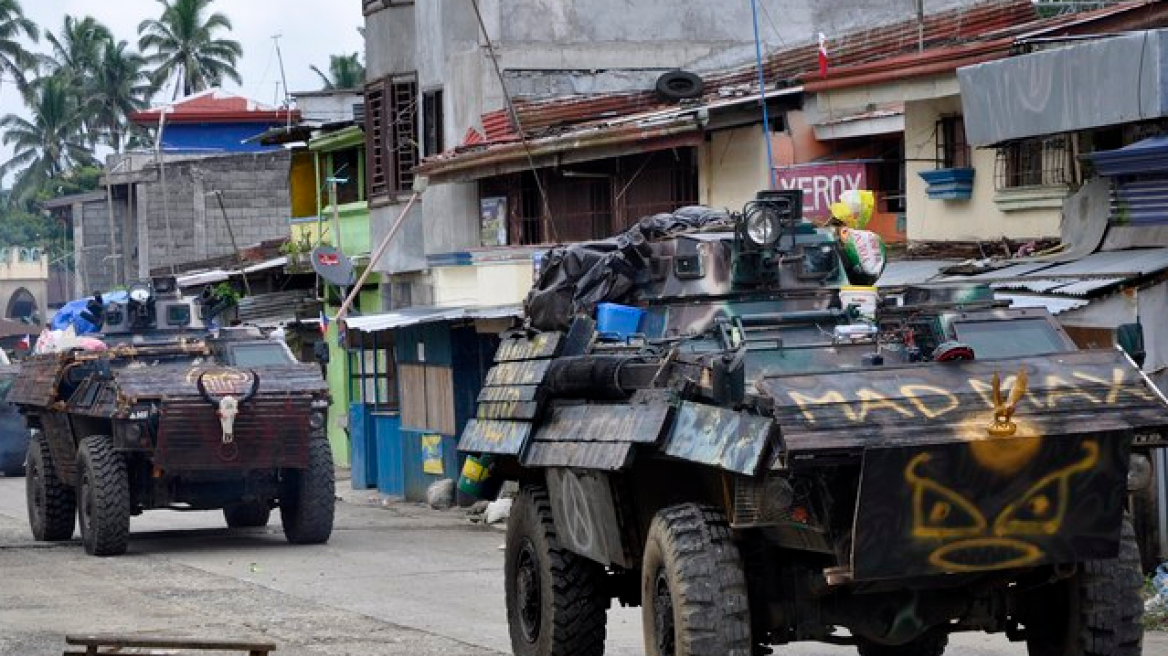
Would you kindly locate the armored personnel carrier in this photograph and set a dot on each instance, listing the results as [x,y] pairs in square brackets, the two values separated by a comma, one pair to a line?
[754,460]
[166,411]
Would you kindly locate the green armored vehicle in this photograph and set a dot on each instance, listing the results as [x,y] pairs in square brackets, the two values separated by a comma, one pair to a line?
[164,410]
[755,460]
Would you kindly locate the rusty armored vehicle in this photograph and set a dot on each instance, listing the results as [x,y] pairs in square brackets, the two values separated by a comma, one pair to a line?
[758,461]
[167,411]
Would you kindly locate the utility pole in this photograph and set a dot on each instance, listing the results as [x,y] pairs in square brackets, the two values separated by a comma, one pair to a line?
[231,235]
[333,181]
[283,79]
[920,25]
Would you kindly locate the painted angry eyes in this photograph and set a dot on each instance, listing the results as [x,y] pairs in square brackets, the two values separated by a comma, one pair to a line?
[941,513]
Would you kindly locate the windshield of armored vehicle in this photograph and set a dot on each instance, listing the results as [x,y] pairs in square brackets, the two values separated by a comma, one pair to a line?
[1008,339]
[258,354]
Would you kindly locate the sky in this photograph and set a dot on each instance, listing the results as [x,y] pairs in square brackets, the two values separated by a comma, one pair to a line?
[310,31]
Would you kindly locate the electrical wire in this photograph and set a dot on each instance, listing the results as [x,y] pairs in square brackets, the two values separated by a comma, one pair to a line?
[518,126]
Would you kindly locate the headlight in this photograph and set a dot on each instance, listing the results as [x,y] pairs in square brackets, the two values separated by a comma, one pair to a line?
[315,420]
[763,226]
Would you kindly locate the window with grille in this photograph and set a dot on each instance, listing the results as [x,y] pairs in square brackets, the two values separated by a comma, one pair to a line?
[376,159]
[391,135]
[1033,162]
[372,379]
[403,111]
[432,123]
[952,148]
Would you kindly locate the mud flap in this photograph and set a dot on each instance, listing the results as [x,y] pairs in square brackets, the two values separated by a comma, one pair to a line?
[990,504]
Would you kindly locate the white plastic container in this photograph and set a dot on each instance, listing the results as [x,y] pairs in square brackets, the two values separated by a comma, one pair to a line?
[864,298]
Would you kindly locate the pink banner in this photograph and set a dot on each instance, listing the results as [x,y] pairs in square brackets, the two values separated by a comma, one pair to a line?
[822,184]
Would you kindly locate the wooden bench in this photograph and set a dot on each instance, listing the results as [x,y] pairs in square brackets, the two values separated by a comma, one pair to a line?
[116,644]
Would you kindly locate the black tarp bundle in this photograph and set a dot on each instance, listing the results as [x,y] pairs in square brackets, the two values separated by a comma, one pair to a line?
[577,277]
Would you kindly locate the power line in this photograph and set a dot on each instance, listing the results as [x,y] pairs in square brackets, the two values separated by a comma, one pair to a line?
[515,121]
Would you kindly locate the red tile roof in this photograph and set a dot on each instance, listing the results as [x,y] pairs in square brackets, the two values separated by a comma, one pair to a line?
[214,106]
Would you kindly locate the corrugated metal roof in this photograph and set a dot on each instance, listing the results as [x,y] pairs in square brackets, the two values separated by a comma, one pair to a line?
[1087,287]
[1053,304]
[428,314]
[1039,285]
[1130,263]
[901,273]
[1081,277]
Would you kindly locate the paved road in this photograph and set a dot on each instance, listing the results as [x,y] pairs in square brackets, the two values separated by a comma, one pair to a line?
[396,579]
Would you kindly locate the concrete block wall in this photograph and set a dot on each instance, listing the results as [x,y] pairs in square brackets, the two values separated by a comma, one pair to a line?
[100,267]
[256,201]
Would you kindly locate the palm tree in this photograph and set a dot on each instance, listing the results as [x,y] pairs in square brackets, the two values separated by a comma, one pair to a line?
[118,87]
[345,72]
[49,143]
[14,58]
[78,49]
[182,43]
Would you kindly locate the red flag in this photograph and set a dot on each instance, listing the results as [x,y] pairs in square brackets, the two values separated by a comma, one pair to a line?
[822,55]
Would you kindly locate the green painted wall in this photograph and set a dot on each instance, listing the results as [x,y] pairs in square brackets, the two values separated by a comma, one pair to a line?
[369,300]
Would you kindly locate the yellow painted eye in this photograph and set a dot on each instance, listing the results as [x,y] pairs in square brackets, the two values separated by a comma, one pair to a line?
[1043,508]
[1040,506]
[939,513]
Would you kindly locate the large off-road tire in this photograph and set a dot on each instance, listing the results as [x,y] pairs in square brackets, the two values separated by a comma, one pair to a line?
[309,501]
[694,600]
[253,514]
[1096,612]
[103,497]
[928,645]
[556,601]
[51,503]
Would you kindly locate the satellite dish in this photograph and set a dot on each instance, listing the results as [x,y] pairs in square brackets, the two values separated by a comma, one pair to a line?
[333,265]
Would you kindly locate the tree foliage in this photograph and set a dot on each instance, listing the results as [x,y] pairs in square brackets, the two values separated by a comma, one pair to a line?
[15,59]
[183,43]
[78,98]
[344,72]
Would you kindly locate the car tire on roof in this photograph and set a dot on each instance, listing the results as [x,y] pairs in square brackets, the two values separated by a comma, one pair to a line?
[679,85]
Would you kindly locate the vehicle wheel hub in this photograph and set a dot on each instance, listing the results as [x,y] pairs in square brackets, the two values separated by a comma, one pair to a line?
[663,617]
[528,592]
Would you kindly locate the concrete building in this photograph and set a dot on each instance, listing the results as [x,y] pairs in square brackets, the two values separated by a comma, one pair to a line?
[210,189]
[212,121]
[24,280]
[432,86]
[1006,187]
[170,215]
[331,106]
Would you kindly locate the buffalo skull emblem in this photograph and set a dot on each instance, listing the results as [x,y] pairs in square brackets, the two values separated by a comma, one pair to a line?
[227,406]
